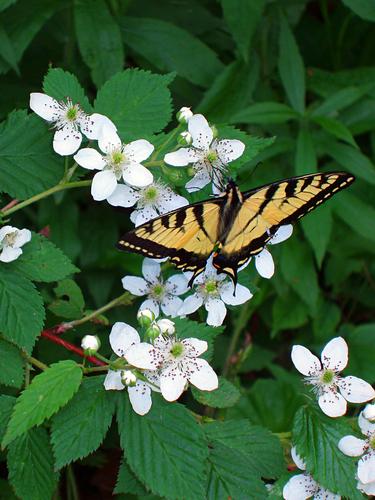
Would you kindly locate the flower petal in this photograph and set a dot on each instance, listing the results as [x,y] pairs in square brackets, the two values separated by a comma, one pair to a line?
[241,295]
[172,383]
[200,132]
[123,196]
[356,390]
[6,230]
[177,284]
[202,375]
[368,488]
[9,254]
[122,337]
[143,215]
[191,304]
[109,139]
[282,234]
[366,468]
[144,356]
[171,203]
[67,140]
[139,150]
[264,264]
[170,305]
[44,106]
[352,446]
[151,270]
[305,361]
[137,175]
[367,427]
[140,397]
[300,487]
[135,285]
[103,185]
[297,459]
[194,347]
[216,311]
[112,381]
[200,179]
[323,494]
[182,157]
[152,305]
[23,236]
[90,158]
[98,124]
[335,354]
[229,149]
[332,403]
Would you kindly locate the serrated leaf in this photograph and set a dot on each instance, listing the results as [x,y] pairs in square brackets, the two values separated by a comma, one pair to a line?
[80,427]
[6,408]
[30,465]
[171,48]
[127,482]
[47,392]
[317,228]
[11,365]
[41,260]
[264,113]
[70,302]
[23,313]
[28,164]
[61,84]
[170,433]
[224,396]
[316,437]
[186,328]
[138,101]
[99,39]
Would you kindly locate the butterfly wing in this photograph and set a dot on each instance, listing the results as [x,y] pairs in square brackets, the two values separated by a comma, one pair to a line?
[267,208]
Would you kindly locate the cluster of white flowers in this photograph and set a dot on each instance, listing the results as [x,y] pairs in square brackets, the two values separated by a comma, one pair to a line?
[11,241]
[166,364]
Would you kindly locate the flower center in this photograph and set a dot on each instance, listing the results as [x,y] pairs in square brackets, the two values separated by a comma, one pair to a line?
[150,193]
[177,349]
[117,157]
[211,156]
[157,291]
[372,442]
[10,238]
[210,287]
[327,377]
[72,113]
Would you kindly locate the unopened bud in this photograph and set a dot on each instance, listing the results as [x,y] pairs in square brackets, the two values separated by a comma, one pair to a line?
[90,344]
[166,326]
[128,378]
[145,317]
[153,331]
[184,115]
[369,412]
[215,132]
[185,138]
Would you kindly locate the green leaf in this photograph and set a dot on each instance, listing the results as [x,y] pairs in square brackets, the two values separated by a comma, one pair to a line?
[127,482]
[99,39]
[7,51]
[28,164]
[363,8]
[264,113]
[243,18]
[335,128]
[42,261]
[61,84]
[356,213]
[171,48]
[224,396]
[70,302]
[326,320]
[186,328]
[30,465]
[165,448]
[316,437]
[340,99]
[361,340]
[80,427]
[288,312]
[138,101]
[47,392]
[11,365]
[6,408]
[317,228]
[305,160]
[23,316]
[291,67]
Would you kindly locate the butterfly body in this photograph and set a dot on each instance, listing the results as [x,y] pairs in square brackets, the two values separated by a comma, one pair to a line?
[233,226]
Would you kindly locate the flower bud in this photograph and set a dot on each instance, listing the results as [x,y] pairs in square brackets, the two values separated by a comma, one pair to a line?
[90,344]
[369,412]
[166,326]
[145,317]
[128,378]
[184,115]
[215,132]
[185,138]
[153,331]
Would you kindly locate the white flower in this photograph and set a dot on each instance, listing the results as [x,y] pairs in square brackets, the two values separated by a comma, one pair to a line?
[369,412]
[368,489]
[11,241]
[263,261]
[121,338]
[333,390]
[177,363]
[166,326]
[160,294]
[184,114]
[354,447]
[208,155]
[151,201]
[302,486]
[90,343]
[69,121]
[214,291]
[119,161]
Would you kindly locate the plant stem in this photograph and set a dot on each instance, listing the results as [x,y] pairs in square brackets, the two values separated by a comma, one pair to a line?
[165,143]
[34,361]
[44,194]
[103,368]
[71,484]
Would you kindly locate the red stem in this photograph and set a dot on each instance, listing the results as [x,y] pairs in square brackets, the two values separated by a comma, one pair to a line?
[10,205]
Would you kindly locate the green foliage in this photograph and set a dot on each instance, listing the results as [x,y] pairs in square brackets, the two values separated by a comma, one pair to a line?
[186,328]
[70,302]
[225,396]
[46,394]
[60,84]
[127,482]
[11,365]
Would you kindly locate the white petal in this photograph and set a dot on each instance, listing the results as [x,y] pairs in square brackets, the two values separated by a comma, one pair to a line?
[191,304]
[356,390]
[170,305]
[144,356]
[241,295]
[352,446]
[264,264]
[200,131]
[9,254]
[99,124]
[152,305]
[177,284]
[67,140]
[122,337]
[282,234]
[297,459]
[200,179]
[135,285]
[89,158]
[151,270]
[44,106]
[367,427]
[103,185]
[6,230]
[300,487]
[172,383]
[368,412]
[182,157]
[112,381]
[323,494]
[305,361]
[335,354]
[216,312]
[366,468]
[332,404]
[229,149]
[140,398]
[23,236]
[143,215]
[368,488]
[123,196]
[202,375]
[194,347]
[109,139]
[138,150]
[169,204]
[137,175]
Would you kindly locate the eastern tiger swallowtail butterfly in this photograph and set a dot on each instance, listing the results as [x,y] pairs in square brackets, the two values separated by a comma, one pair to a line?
[233,226]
